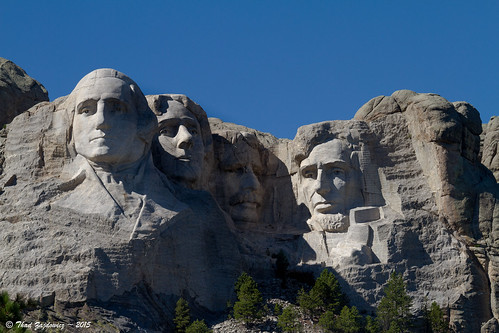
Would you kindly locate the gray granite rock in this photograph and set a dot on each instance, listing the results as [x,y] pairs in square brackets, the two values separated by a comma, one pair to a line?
[18,91]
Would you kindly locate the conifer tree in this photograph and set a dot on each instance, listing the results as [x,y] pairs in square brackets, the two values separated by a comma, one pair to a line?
[198,326]
[249,299]
[325,295]
[288,320]
[182,316]
[310,302]
[372,325]
[394,310]
[435,320]
[10,311]
[329,289]
[349,320]
[328,321]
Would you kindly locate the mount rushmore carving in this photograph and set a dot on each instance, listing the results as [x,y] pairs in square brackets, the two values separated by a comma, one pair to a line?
[126,202]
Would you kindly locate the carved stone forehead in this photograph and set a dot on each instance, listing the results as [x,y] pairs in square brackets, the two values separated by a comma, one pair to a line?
[107,87]
[329,152]
[93,77]
[176,110]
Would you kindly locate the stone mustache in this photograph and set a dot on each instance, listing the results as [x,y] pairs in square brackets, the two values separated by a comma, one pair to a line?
[116,196]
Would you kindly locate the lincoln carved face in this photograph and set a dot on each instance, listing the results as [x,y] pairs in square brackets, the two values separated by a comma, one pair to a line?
[180,137]
[325,178]
[105,123]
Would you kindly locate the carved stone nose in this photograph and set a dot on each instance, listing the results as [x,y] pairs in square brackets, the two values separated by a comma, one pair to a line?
[250,180]
[184,138]
[100,117]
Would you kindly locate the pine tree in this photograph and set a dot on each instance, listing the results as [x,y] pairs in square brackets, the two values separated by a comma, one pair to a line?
[328,321]
[372,325]
[247,307]
[394,310]
[182,316]
[310,302]
[349,320]
[435,319]
[288,320]
[10,311]
[198,326]
[329,289]
[325,295]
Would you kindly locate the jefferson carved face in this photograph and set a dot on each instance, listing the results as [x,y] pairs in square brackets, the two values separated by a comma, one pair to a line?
[105,123]
[325,176]
[240,168]
[180,137]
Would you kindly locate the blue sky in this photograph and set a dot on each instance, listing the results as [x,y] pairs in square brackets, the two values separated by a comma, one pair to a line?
[269,65]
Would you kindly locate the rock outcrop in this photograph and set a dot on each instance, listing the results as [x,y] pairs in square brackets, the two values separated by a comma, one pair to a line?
[490,150]
[18,91]
[123,228]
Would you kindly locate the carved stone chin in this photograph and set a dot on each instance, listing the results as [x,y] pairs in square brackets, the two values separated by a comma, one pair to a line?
[329,222]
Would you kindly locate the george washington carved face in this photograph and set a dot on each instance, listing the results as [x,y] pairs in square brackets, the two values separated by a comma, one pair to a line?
[111,123]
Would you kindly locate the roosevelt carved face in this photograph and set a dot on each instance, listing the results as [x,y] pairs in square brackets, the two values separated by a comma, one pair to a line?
[241,168]
[105,123]
[325,177]
[180,137]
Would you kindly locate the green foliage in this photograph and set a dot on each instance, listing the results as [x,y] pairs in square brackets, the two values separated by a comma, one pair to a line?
[327,320]
[288,320]
[182,316]
[198,326]
[325,295]
[393,312]
[309,302]
[10,311]
[329,289]
[349,320]
[435,320]
[249,299]
[372,325]
[277,309]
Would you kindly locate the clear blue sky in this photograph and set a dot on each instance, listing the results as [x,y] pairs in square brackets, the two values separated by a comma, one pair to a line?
[269,65]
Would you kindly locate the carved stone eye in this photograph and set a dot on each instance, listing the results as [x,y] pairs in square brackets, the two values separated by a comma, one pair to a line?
[338,172]
[170,131]
[308,174]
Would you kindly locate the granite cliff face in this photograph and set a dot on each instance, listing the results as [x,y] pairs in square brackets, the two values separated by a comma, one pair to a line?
[18,91]
[401,187]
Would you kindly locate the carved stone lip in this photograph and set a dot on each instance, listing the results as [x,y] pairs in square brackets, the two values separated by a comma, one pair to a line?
[184,158]
[329,203]
[248,204]
[99,137]
[324,206]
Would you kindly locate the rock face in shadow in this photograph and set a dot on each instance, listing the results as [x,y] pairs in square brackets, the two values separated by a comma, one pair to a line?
[443,181]
[18,91]
[195,201]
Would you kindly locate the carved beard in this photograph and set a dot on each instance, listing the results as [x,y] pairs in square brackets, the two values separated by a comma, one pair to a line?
[329,222]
